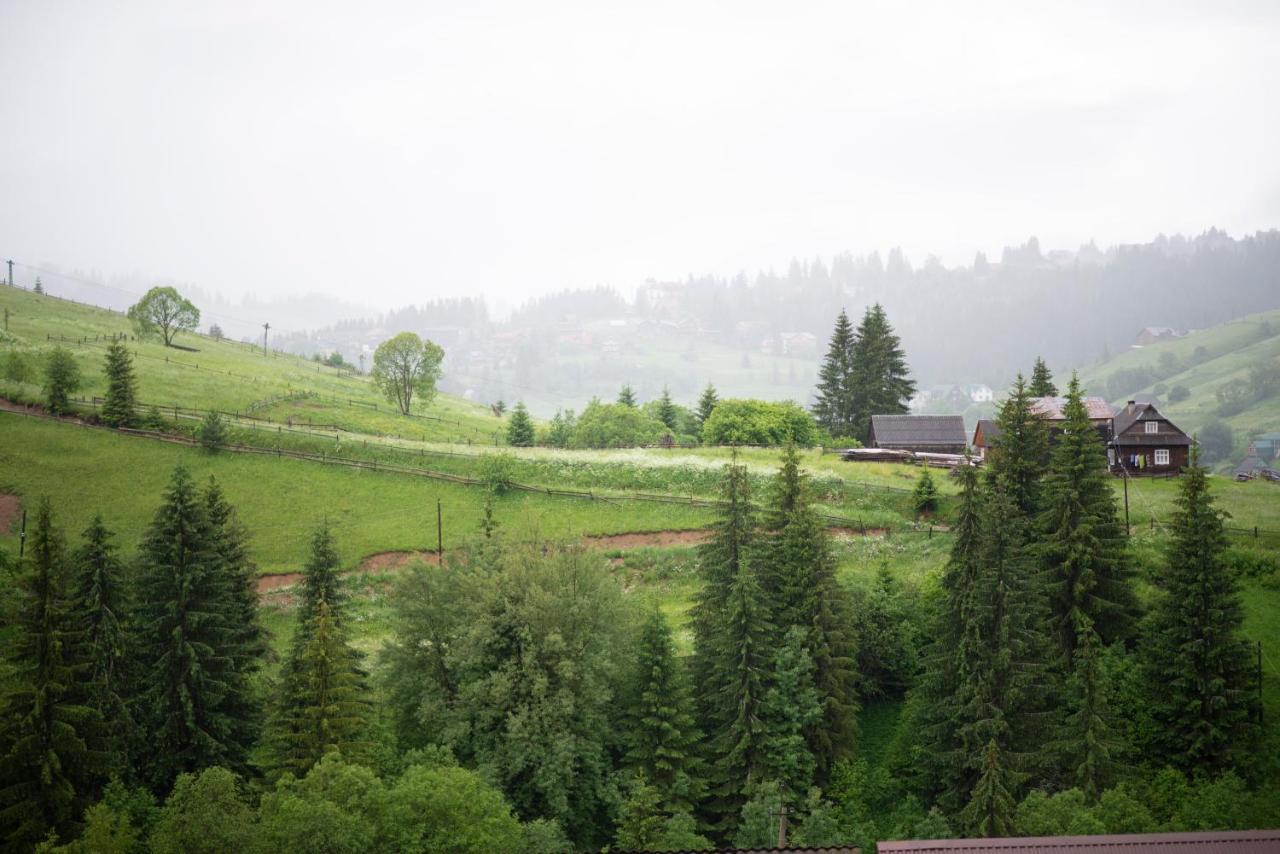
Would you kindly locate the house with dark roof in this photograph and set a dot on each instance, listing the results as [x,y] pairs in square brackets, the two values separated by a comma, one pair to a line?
[939,434]
[1220,842]
[1145,442]
[985,435]
[1050,410]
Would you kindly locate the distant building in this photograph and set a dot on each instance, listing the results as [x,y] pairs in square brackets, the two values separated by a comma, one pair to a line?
[939,434]
[985,435]
[1265,447]
[979,393]
[1151,334]
[1145,442]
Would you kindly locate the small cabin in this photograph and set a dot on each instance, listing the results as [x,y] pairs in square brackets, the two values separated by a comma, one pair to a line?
[1144,442]
[1050,410]
[985,436]
[939,434]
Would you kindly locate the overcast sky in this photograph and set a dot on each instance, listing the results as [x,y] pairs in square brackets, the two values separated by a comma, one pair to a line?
[393,152]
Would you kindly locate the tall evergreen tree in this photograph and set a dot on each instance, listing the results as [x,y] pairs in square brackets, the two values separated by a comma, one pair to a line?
[1041,384]
[1083,545]
[990,809]
[248,643]
[707,404]
[119,408]
[325,706]
[800,581]
[1017,460]
[100,611]
[662,739]
[833,405]
[188,635]
[61,380]
[520,428]
[878,373]
[789,709]
[627,397]
[732,631]
[1089,743]
[667,409]
[52,759]
[1197,664]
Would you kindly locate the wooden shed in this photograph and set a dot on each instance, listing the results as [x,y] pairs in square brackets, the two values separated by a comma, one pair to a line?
[940,434]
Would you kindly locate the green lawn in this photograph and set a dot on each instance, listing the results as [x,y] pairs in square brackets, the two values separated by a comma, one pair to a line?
[86,471]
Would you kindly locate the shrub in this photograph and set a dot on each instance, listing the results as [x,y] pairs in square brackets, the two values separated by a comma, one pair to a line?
[497,471]
[615,425]
[213,431]
[1216,440]
[1179,393]
[61,380]
[759,422]
[17,367]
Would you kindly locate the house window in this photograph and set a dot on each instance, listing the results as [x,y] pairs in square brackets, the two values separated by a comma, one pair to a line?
[1153,426]
[1162,456]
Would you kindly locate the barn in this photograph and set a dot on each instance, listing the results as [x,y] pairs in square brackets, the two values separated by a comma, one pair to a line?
[939,434]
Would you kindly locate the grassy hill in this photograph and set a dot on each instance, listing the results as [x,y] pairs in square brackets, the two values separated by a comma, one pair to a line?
[226,375]
[1201,362]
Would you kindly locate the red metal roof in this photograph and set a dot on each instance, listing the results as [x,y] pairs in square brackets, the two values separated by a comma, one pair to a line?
[1221,842]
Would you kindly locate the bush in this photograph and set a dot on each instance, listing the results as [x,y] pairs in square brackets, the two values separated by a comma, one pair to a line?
[61,380]
[759,422]
[213,431]
[17,367]
[1179,393]
[497,471]
[615,425]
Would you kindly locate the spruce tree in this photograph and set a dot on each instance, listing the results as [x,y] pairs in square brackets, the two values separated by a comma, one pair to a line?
[924,498]
[790,708]
[878,379]
[324,705]
[833,407]
[188,633]
[732,632]
[662,740]
[800,580]
[1089,743]
[667,409]
[61,380]
[119,406]
[991,807]
[1083,545]
[707,404]
[520,428]
[247,645]
[1041,384]
[1017,460]
[627,397]
[1197,664]
[100,610]
[52,761]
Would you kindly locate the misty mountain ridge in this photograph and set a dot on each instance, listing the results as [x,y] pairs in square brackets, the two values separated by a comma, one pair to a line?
[979,323]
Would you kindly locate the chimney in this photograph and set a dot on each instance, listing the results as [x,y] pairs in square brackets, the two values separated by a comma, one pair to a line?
[1129,407]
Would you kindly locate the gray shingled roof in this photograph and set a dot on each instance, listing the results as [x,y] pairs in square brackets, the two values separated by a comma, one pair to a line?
[1051,408]
[1143,412]
[919,431]
[1223,842]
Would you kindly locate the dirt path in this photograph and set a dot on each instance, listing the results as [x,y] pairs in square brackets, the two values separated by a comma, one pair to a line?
[386,562]
[10,512]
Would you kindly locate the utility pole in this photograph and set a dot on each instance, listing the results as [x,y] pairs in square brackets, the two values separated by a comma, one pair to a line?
[6,318]
[11,274]
[439,531]
[265,327]
[782,825]
[1128,532]
[22,537]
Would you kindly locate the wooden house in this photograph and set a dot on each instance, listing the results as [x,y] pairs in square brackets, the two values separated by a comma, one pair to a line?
[942,434]
[1050,409]
[1145,442]
[985,436]
[1215,842]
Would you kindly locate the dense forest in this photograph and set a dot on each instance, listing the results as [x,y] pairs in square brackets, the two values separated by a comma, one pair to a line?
[523,702]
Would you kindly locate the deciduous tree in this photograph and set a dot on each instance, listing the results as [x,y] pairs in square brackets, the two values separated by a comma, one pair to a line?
[405,367]
[164,311]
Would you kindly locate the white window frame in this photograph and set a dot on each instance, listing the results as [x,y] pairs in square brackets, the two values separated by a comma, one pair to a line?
[1162,456]
[1152,426]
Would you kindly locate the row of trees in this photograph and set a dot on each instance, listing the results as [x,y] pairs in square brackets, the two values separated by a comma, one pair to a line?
[864,373]
[1044,672]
